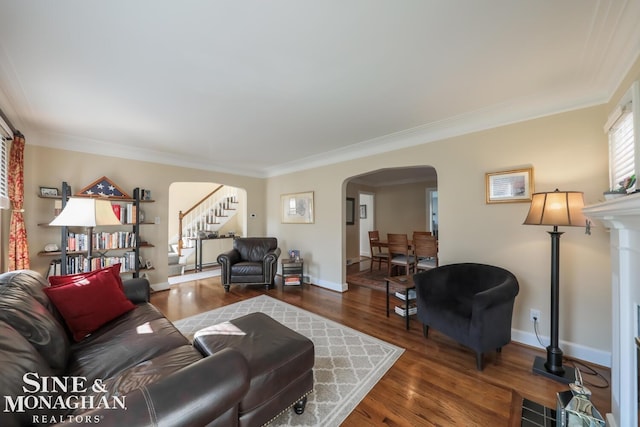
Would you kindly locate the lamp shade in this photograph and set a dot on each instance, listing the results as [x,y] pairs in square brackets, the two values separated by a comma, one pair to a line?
[558,208]
[86,212]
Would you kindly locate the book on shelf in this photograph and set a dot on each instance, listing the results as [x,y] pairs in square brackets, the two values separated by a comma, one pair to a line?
[292,280]
[116,210]
[402,295]
[403,312]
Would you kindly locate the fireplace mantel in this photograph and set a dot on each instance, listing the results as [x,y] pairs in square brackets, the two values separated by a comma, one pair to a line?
[622,216]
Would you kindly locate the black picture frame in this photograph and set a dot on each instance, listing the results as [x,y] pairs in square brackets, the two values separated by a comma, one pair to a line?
[49,192]
[363,211]
[350,214]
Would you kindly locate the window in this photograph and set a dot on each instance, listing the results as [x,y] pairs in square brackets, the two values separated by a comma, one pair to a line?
[5,136]
[624,149]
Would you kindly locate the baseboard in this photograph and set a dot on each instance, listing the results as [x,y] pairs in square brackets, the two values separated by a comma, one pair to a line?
[329,285]
[156,287]
[577,351]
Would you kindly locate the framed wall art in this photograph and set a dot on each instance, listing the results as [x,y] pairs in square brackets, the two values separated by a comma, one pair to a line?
[363,211]
[512,186]
[297,208]
[351,206]
[49,192]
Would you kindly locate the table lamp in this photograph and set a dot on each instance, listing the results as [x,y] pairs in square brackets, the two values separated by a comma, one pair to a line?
[556,208]
[86,212]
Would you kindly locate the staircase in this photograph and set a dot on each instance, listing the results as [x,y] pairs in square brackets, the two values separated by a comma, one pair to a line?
[206,217]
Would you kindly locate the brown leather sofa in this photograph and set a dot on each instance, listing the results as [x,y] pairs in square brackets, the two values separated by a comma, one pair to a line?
[139,358]
[252,261]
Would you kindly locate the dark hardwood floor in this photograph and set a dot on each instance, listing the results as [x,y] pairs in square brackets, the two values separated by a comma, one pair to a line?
[435,381]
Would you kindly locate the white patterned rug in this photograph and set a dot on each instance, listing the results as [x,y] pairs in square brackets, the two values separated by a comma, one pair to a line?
[348,363]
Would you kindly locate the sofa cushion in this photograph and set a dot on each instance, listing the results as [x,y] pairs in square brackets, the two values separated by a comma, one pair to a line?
[17,357]
[89,302]
[70,278]
[147,372]
[36,324]
[31,282]
[137,336]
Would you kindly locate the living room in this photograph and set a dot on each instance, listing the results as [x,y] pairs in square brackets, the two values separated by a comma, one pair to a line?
[566,148]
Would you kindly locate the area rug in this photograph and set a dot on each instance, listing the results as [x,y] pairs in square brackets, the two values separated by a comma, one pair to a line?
[369,279]
[348,363]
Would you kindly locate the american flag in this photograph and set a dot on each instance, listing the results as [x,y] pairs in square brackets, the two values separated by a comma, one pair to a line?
[103,187]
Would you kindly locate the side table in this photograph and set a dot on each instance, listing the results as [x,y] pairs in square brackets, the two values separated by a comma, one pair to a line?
[405,282]
[292,272]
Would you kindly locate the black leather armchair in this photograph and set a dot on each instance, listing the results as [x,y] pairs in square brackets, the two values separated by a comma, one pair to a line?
[470,303]
[252,261]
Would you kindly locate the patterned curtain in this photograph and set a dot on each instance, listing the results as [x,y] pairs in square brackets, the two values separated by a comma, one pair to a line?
[18,248]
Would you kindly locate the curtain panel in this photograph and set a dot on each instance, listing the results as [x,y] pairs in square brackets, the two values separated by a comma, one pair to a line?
[18,248]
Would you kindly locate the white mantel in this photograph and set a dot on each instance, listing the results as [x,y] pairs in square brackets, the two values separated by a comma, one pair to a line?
[622,216]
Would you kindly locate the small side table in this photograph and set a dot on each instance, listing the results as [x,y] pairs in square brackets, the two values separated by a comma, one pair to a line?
[405,282]
[292,272]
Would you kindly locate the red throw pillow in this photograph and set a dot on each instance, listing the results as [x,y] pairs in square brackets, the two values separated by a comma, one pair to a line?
[70,278]
[89,302]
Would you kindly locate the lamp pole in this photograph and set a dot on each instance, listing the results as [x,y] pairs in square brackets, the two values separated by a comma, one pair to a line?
[552,367]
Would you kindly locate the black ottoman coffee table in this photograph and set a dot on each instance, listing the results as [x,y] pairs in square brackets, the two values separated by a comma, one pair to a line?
[280,364]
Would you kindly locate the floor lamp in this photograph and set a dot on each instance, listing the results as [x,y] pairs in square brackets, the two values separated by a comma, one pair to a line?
[86,212]
[556,208]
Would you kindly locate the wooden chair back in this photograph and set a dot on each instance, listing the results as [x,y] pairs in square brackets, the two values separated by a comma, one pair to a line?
[398,244]
[425,248]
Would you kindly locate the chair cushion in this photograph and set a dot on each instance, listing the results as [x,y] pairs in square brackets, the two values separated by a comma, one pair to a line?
[244,268]
[402,259]
[90,302]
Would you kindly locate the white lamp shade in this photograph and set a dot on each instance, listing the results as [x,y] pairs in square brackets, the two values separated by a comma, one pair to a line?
[557,208]
[86,212]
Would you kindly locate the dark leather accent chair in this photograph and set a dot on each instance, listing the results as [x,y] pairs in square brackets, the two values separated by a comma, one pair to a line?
[252,261]
[470,303]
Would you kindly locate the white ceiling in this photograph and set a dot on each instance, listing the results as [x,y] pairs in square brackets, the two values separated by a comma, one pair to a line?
[267,87]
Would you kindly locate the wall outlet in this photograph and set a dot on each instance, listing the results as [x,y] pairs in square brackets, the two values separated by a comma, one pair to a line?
[534,314]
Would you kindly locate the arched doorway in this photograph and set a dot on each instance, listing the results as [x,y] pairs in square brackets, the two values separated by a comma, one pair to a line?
[397,200]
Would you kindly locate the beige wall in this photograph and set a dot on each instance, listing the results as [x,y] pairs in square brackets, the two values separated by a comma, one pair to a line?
[568,151]
[49,167]
[401,208]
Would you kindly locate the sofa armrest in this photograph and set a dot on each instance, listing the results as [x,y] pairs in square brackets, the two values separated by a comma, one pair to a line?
[137,290]
[194,395]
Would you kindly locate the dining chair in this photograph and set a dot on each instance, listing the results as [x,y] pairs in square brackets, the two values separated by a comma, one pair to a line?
[398,245]
[425,248]
[377,254]
[423,233]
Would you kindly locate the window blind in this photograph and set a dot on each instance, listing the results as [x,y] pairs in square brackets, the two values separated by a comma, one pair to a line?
[621,149]
[4,166]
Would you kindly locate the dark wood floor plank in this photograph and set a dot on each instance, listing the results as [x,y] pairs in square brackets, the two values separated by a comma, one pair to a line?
[434,382]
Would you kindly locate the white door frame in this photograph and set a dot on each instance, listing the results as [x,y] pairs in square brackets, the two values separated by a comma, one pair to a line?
[366,224]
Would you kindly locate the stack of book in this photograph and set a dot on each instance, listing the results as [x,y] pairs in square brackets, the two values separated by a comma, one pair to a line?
[292,280]
[402,295]
[403,312]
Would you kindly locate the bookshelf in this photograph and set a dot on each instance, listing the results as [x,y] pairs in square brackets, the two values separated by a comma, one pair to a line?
[111,244]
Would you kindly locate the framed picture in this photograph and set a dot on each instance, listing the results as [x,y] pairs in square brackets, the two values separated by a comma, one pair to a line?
[509,186]
[297,208]
[351,205]
[49,192]
[149,264]
[363,211]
